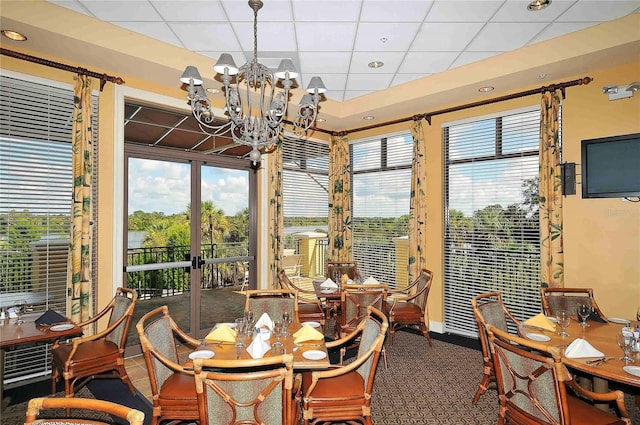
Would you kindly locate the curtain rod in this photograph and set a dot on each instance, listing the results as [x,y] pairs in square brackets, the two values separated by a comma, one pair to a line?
[77,70]
[427,116]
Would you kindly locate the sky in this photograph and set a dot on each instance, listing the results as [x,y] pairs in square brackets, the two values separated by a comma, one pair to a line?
[164,186]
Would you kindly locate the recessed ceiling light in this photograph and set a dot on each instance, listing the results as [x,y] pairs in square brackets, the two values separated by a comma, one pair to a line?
[542,75]
[536,5]
[320,119]
[212,90]
[368,117]
[376,64]
[486,89]
[13,35]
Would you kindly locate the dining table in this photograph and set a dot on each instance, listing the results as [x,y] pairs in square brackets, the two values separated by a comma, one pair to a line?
[330,297]
[601,336]
[308,355]
[13,334]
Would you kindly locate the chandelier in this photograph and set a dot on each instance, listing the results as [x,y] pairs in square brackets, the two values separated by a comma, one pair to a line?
[257,120]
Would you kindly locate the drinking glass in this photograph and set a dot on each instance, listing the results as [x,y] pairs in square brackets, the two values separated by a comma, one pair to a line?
[626,341]
[249,322]
[277,329]
[564,320]
[584,310]
[286,321]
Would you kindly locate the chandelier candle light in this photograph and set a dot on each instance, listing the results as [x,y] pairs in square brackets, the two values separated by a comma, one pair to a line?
[260,125]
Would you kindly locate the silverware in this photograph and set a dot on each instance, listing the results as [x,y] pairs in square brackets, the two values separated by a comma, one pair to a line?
[598,362]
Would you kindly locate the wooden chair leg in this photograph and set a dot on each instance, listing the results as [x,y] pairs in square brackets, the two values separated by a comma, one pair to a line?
[484,385]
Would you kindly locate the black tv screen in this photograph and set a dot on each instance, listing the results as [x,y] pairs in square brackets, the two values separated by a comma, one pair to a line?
[611,167]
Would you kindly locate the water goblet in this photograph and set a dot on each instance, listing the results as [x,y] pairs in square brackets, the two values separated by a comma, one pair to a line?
[277,329]
[286,321]
[564,320]
[584,310]
[626,341]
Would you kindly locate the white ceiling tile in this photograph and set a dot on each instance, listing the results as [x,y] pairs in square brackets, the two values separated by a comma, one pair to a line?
[334,95]
[133,10]
[73,5]
[352,94]
[466,58]
[556,30]
[326,11]
[205,36]
[360,62]
[271,36]
[396,11]
[445,36]
[427,62]
[516,11]
[368,81]
[238,57]
[325,37]
[172,11]
[397,37]
[272,11]
[502,37]
[334,82]
[598,11]
[158,30]
[405,78]
[325,62]
[462,11]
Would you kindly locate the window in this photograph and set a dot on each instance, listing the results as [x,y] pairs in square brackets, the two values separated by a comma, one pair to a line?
[305,198]
[35,203]
[381,188]
[491,215]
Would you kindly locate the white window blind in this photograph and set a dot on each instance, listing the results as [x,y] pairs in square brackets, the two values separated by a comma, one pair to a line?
[35,203]
[491,215]
[381,188]
[305,187]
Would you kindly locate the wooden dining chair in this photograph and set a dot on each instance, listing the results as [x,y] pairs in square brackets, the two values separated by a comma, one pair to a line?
[335,269]
[173,388]
[273,302]
[343,394]
[555,299]
[534,386]
[253,391]
[96,356]
[310,309]
[411,309]
[89,406]
[489,309]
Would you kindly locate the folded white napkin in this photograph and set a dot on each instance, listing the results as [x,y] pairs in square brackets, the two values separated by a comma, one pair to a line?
[258,347]
[264,321]
[371,281]
[581,348]
[328,284]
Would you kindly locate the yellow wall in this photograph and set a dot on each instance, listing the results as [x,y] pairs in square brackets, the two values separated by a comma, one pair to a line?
[602,236]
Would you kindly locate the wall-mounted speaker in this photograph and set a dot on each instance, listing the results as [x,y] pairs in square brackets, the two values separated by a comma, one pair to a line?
[568,178]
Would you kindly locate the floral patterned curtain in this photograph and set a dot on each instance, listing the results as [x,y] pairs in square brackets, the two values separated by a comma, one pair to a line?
[339,200]
[276,219]
[550,191]
[79,268]
[418,203]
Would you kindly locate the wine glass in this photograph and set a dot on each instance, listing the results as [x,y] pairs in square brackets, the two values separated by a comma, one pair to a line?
[20,308]
[564,320]
[584,310]
[278,326]
[626,340]
[286,321]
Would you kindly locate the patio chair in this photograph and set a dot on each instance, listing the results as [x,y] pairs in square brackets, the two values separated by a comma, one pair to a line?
[535,387]
[310,309]
[172,386]
[90,406]
[554,299]
[292,264]
[411,310]
[343,394]
[257,391]
[489,309]
[96,356]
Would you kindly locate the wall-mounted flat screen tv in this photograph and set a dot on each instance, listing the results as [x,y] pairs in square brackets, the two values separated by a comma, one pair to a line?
[611,167]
